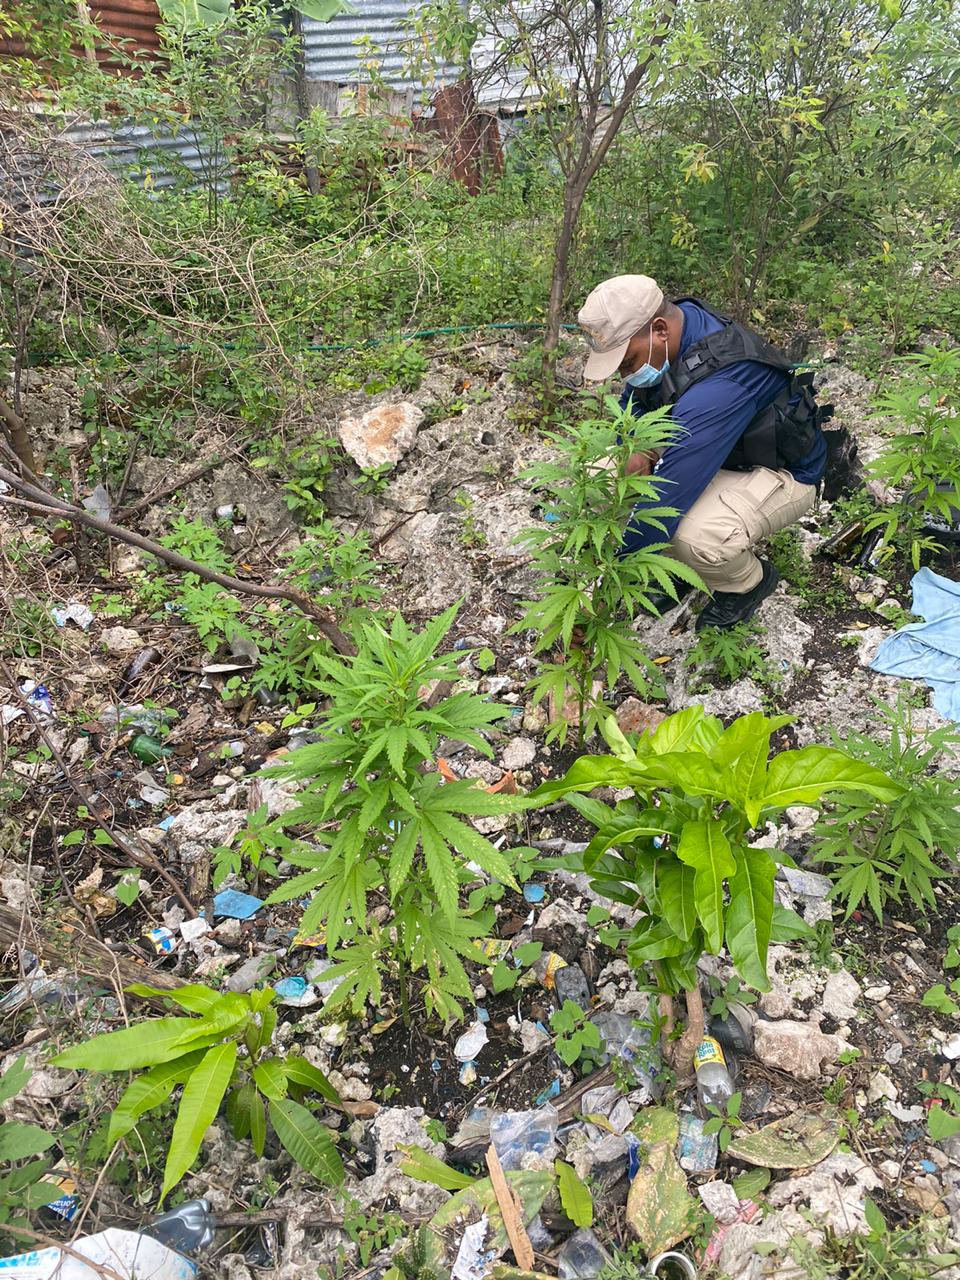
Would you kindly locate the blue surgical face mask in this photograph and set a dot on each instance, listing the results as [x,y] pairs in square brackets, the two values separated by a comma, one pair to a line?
[647,375]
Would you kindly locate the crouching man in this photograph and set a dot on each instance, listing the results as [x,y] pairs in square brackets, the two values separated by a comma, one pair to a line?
[749,452]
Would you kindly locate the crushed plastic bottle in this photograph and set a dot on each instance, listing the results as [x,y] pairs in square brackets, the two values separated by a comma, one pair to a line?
[582,1256]
[187,1229]
[714,1082]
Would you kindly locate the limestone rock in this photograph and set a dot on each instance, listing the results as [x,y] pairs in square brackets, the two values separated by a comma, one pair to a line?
[834,1190]
[798,1048]
[120,640]
[840,996]
[518,754]
[381,436]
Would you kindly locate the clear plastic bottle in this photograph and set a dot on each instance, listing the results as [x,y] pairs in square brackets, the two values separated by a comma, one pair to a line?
[714,1082]
[185,1230]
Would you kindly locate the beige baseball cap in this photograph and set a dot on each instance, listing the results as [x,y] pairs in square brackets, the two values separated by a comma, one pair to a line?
[616,310]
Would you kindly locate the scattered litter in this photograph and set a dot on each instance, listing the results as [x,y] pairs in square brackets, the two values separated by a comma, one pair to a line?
[147,749]
[192,929]
[697,1151]
[33,987]
[551,1091]
[748,1212]
[166,823]
[714,1082]
[97,503]
[515,1134]
[473,1258]
[792,1142]
[126,1252]
[679,1260]
[136,667]
[162,940]
[660,1210]
[470,1043]
[720,1200]
[236,905]
[38,695]
[81,614]
[734,1029]
[296,992]
[928,650]
[582,1256]
[546,968]
[188,1228]
[483,1015]
[534,892]
[467,1074]
[66,1204]
[151,792]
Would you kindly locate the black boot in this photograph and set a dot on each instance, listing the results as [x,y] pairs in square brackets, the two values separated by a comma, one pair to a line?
[727,608]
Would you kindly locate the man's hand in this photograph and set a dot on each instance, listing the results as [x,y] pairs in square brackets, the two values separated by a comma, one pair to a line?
[642,464]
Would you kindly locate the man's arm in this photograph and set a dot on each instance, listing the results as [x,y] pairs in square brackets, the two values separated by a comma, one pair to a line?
[711,417]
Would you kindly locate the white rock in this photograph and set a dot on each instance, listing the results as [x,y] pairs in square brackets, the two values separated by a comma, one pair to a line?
[877,993]
[519,753]
[381,436]
[893,1053]
[531,1036]
[798,1048]
[834,1190]
[882,1086]
[840,995]
[951,1049]
[120,640]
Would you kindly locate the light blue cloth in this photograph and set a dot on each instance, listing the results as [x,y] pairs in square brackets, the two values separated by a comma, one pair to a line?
[929,650]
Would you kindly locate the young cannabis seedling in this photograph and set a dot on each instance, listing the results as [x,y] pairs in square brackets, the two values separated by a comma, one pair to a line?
[880,852]
[590,593]
[922,457]
[396,830]
[221,1051]
[728,654]
[679,850]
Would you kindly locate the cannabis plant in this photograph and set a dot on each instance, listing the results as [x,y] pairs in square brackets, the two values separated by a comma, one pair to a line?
[223,1051]
[679,849]
[396,829]
[878,853]
[589,591]
[922,457]
[730,653]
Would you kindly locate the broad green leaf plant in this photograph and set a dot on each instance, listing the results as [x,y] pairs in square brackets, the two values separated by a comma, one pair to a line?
[589,594]
[679,849]
[220,1050]
[396,831]
[23,1187]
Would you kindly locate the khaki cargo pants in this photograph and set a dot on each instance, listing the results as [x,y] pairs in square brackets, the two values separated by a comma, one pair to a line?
[736,510]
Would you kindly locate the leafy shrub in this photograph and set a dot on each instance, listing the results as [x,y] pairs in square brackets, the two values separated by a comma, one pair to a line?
[880,852]
[23,1187]
[922,457]
[395,828]
[589,592]
[202,1054]
[679,850]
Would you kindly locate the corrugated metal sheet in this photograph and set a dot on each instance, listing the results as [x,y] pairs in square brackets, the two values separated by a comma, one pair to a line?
[136,151]
[129,23]
[331,51]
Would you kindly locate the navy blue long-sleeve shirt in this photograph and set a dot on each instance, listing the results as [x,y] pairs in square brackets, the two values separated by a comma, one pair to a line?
[711,416]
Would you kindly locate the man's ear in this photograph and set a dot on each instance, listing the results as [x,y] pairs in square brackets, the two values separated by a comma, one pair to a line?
[660,327]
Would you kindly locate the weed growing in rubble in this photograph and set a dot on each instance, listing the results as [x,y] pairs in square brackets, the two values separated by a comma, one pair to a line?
[679,849]
[395,827]
[728,654]
[922,458]
[879,853]
[22,1184]
[589,592]
[221,1052]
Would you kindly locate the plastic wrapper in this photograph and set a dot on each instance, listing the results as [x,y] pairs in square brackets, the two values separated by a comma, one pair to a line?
[516,1134]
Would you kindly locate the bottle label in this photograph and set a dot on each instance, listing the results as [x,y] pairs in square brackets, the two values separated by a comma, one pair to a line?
[708,1050]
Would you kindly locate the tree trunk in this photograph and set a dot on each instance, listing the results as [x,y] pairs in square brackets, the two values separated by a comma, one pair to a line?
[303,99]
[693,1034]
[16,431]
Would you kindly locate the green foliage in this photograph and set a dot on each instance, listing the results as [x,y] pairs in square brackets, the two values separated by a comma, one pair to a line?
[921,459]
[248,849]
[23,1187]
[588,592]
[785,550]
[724,1120]
[730,654]
[879,853]
[917,1250]
[679,850]
[396,830]
[576,1036]
[505,977]
[724,994]
[200,1054]
[575,1198]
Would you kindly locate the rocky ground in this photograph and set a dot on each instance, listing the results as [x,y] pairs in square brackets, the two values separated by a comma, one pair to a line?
[829,1060]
